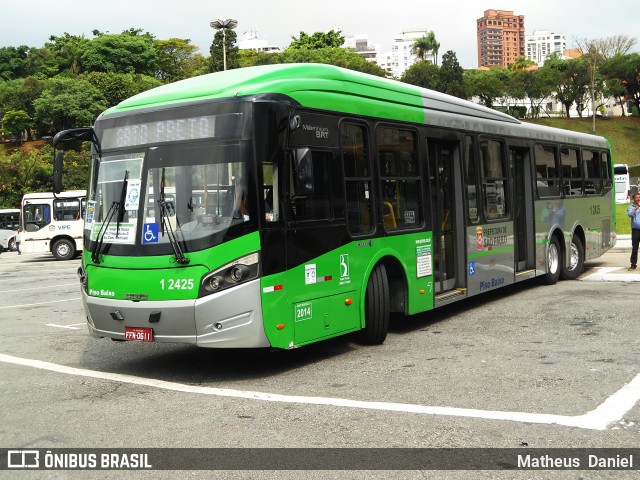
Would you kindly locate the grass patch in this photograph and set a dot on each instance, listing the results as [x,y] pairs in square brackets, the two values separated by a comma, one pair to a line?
[623,223]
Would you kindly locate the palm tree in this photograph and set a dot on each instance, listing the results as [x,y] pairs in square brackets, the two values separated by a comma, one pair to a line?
[421,47]
[425,45]
[434,45]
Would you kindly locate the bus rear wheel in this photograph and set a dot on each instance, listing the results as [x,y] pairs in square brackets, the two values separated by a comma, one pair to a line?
[377,308]
[576,260]
[63,250]
[554,262]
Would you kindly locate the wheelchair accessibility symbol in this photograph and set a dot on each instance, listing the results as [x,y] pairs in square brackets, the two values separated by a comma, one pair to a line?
[150,233]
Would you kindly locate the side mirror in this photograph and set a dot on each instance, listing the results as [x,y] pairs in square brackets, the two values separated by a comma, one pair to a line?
[58,160]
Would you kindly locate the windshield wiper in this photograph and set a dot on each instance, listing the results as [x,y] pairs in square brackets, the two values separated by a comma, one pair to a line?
[97,245]
[165,226]
[115,207]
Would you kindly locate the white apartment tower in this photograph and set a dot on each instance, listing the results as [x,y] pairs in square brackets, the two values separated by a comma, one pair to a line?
[401,57]
[542,44]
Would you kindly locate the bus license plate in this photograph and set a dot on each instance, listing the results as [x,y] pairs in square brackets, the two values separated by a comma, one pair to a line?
[138,334]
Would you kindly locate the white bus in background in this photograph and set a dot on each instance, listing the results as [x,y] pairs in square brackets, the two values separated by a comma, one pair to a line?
[53,223]
[9,218]
[627,181]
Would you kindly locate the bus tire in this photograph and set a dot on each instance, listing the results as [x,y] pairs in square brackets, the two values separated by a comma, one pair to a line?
[576,260]
[11,245]
[554,262]
[63,250]
[377,308]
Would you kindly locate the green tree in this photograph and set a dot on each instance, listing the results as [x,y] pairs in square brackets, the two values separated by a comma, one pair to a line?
[253,58]
[521,63]
[14,62]
[625,69]
[487,85]
[217,52]
[15,122]
[571,81]
[176,59]
[425,45]
[421,47]
[23,171]
[19,94]
[68,103]
[68,50]
[122,53]
[340,57]
[42,63]
[537,85]
[116,87]
[451,76]
[318,40]
[423,74]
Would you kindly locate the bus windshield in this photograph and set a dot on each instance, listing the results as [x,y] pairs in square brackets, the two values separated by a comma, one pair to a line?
[195,193]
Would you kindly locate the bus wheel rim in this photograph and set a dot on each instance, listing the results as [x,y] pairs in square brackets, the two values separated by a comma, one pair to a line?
[574,256]
[553,258]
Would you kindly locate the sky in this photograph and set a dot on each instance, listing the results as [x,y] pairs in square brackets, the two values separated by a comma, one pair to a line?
[32,22]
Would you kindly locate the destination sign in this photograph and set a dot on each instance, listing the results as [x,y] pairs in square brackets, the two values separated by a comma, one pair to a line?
[174,130]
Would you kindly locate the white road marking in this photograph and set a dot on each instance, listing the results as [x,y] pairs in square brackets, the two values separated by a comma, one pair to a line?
[73,326]
[41,303]
[610,411]
[606,274]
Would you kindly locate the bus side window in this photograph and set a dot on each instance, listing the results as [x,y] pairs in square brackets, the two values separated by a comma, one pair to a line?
[400,184]
[494,179]
[571,172]
[36,216]
[66,210]
[357,178]
[470,179]
[592,173]
[310,185]
[547,174]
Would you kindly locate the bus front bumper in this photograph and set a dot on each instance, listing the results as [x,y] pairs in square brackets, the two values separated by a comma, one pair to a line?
[229,319]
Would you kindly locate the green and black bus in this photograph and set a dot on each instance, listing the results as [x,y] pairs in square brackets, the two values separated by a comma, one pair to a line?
[281,205]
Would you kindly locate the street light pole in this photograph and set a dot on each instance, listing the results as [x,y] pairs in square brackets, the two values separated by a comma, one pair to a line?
[223,24]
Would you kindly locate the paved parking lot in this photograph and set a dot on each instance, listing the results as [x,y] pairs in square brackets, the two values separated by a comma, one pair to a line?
[528,365]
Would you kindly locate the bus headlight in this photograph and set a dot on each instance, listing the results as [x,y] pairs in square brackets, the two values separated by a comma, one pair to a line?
[215,283]
[234,273]
[239,272]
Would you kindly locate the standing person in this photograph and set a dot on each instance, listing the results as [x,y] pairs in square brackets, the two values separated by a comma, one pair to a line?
[19,240]
[634,212]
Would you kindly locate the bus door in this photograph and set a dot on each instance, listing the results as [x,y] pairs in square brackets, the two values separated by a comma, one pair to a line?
[448,227]
[520,161]
[318,282]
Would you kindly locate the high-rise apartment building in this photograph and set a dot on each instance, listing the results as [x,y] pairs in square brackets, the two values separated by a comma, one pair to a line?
[501,38]
[401,56]
[542,44]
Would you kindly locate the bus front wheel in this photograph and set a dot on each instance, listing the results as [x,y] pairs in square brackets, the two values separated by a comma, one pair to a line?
[576,260]
[63,250]
[377,308]
[554,262]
